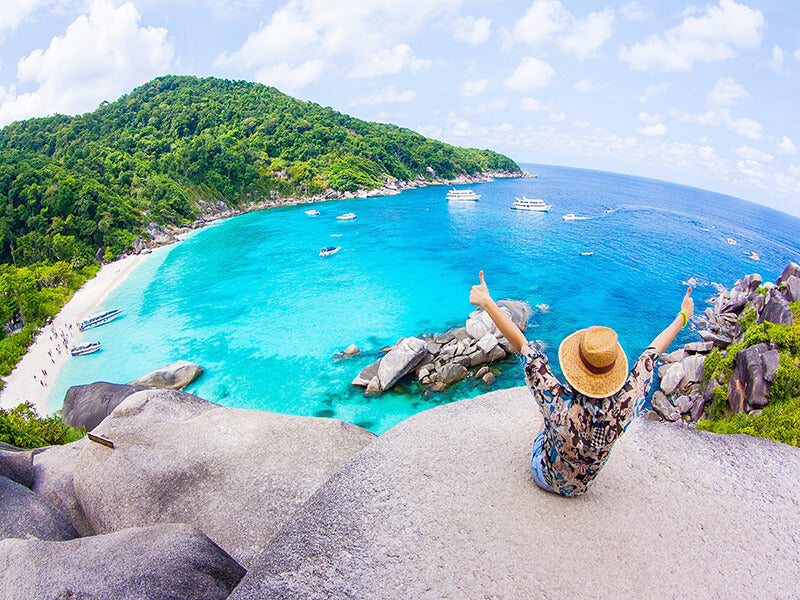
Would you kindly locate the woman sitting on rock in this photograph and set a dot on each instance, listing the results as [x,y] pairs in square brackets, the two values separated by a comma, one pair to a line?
[583,418]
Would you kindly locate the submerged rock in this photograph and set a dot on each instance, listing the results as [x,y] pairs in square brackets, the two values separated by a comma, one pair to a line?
[174,376]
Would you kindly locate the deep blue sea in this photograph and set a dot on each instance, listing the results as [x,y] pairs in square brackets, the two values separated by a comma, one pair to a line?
[250,300]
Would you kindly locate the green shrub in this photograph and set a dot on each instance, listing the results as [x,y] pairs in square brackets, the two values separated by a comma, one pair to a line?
[779,421]
[719,403]
[786,382]
[711,364]
[24,428]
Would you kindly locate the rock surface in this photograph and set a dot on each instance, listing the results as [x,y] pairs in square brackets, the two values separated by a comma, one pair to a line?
[164,562]
[174,376]
[17,465]
[87,405]
[24,514]
[235,474]
[444,506]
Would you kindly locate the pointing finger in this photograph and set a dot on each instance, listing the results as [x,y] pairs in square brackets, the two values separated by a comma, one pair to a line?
[483,282]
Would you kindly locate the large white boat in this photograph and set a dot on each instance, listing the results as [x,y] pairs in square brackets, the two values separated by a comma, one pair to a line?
[99,319]
[312,213]
[85,348]
[329,251]
[534,204]
[468,195]
[346,216]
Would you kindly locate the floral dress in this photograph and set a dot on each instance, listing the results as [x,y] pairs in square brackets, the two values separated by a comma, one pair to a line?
[579,431]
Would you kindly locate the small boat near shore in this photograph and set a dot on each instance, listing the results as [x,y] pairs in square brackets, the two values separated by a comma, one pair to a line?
[85,348]
[531,204]
[569,217]
[329,251]
[586,253]
[346,216]
[100,318]
[467,195]
[312,213]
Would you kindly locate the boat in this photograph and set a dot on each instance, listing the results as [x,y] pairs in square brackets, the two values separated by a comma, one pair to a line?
[754,256]
[569,217]
[85,348]
[100,318]
[312,212]
[468,195]
[731,241]
[586,253]
[534,204]
[346,216]
[329,251]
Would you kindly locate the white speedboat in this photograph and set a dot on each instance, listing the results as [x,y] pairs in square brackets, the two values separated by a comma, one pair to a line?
[346,216]
[99,319]
[586,253]
[468,195]
[329,251]
[85,348]
[569,217]
[312,212]
[534,204]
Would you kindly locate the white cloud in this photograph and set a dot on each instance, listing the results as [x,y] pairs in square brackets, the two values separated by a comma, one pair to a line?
[582,124]
[387,95]
[290,77]
[531,73]
[652,90]
[532,105]
[786,146]
[13,12]
[648,118]
[389,62]
[542,20]
[493,106]
[777,60]
[100,56]
[474,87]
[793,171]
[587,35]
[655,130]
[713,36]
[753,154]
[557,117]
[725,93]
[472,31]
[585,86]
[747,128]
[797,54]
[751,168]
[633,11]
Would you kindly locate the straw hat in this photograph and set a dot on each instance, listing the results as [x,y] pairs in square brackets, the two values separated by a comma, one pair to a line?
[593,362]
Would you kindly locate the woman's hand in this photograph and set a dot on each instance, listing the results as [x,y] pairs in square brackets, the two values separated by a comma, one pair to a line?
[479,295]
[687,305]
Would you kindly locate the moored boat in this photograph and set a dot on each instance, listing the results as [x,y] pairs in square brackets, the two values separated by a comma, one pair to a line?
[85,348]
[100,318]
[532,204]
[569,217]
[313,212]
[346,216]
[467,195]
[330,250]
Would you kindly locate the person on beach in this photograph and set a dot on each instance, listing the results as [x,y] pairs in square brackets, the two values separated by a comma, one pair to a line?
[584,417]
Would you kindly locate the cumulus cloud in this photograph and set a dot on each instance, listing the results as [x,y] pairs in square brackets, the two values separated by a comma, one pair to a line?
[587,35]
[389,62]
[387,95]
[725,93]
[777,60]
[747,128]
[542,20]
[100,56]
[753,154]
[648,118]
[14,12]
[531,73]
[291,77]
[532,105]
[557,117]
[786,146]
[633,11]
[651,90]
[585,86]
[474,87]
[471,30]
[713,36]
[654,130]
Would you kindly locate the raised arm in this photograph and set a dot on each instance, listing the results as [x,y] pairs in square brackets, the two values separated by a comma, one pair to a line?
[664,339]
[479,296]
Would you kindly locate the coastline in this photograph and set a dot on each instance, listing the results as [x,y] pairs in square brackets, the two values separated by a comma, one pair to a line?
[32,378]
[50,349]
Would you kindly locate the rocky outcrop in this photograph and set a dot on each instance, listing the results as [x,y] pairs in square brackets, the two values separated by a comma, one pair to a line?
[163,562]
[17,465]
[174,376]
[87,405]
[27,515]
[440,360]
[444,506]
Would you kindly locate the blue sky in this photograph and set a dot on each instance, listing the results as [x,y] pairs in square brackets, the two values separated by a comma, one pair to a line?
[699,94]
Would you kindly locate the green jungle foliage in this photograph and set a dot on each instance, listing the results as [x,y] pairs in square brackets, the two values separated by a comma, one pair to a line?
[780,420]
[24,428]
[72,185]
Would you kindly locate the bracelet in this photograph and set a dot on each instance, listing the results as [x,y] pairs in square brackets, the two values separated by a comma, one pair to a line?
[685,318]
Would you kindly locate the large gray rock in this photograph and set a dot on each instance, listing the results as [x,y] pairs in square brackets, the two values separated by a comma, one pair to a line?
[748,283]
[164,562]
[791,269]
[17,465]
[87,405]
[479,323]
[664,407]
[367,374]
[776,311]
[719,340]
[451,372]
[693,369]
[235,474]
[792,293]
[444,506]
[747,389]
[174,376]
[26,515]
[400,361]
[673,377]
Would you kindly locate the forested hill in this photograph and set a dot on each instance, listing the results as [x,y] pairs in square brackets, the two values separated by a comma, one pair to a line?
[72,185]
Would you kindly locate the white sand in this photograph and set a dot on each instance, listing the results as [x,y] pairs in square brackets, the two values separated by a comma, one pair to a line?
[28,382]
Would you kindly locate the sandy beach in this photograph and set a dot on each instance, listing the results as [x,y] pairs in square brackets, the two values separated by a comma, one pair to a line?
[35,373]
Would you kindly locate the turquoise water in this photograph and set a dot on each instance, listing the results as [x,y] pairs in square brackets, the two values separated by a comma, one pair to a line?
[250,300]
